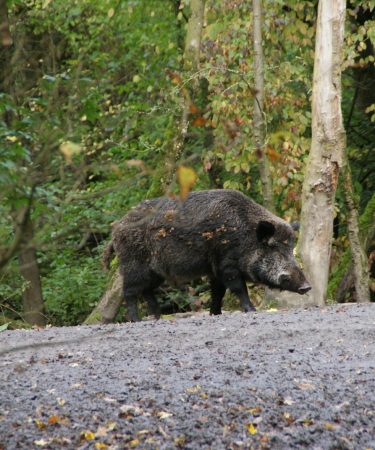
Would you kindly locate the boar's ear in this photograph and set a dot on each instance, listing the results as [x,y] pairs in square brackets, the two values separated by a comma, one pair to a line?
[265,230]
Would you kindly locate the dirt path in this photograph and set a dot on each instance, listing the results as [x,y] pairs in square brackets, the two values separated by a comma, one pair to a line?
[299,379]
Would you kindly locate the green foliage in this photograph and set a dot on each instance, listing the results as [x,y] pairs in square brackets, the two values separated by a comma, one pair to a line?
[72,288]
[288,37]
[83,125]
[90,104]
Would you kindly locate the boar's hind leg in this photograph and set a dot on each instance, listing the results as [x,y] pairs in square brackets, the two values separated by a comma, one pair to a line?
[236,284]
[217,294]
[133,288]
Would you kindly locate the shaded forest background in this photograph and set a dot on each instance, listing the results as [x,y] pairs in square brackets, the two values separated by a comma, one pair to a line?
[92,96]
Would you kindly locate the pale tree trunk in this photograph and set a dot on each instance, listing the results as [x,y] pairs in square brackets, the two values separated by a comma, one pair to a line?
[325,159]
[358,255]
[328,142]
[258,115]
[32,299]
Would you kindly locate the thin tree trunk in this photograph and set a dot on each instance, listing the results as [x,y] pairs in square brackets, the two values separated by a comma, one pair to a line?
[177,144]
[164,174]
[328,142]
[32,299]
[191,65]
[358,255]
[342,275]
[194,35]
[8,252]
[258,120]
[5,36]
[344,289]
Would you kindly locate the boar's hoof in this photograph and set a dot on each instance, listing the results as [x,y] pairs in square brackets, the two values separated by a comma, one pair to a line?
[133,317]
[248,308]
[304,288]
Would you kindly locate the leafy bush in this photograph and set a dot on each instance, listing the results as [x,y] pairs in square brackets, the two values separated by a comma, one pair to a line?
[72,288]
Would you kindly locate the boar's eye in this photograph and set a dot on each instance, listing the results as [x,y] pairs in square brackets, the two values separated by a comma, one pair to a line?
[265,230]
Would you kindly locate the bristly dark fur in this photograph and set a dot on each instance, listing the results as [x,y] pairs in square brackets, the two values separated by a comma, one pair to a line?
[221,234]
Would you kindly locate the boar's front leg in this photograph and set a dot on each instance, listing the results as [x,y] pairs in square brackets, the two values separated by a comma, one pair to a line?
[217,293]
[132,307]
[152,281]
[237,285]
[153,304]
[131,301]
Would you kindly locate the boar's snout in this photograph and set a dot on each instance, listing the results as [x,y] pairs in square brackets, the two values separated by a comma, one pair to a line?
[294,281]
[304,288]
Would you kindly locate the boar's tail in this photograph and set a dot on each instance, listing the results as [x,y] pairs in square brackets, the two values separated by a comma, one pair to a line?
[108,255]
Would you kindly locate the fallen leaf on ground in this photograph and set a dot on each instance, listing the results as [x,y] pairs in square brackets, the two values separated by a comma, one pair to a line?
[128,411]
[60,401]
[164,414]
[100,446]
[87,436]
[54,420]
[143,432]
[254,411]
[289,418]
[41,442]
[304,385]
[194,389]
[330,426]
[288,401]
[103,430]
[251,429]
[308,422]
[40,424]
[180,441]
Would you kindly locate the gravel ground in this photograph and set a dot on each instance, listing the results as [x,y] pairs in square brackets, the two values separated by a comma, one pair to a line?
[296,379]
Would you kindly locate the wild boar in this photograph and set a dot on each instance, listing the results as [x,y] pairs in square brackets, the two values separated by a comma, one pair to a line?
[221,234]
